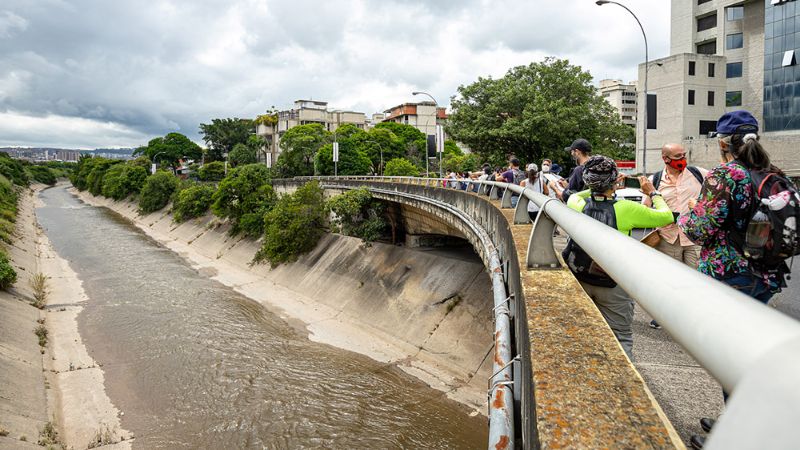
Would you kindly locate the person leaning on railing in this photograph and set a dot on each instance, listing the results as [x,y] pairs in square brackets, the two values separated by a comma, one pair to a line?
[601,176]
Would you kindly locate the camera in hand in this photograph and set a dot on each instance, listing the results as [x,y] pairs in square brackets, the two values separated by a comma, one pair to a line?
[632,182]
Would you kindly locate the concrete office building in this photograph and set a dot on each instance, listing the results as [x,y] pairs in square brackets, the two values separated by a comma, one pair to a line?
[725,55]
[622,96]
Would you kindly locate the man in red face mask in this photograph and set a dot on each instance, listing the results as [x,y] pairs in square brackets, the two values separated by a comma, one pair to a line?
[678,183]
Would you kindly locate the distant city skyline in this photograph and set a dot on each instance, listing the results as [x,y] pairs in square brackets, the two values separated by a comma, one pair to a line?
[80,75]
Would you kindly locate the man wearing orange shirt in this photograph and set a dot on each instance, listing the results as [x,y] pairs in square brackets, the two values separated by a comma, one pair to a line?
[678,183]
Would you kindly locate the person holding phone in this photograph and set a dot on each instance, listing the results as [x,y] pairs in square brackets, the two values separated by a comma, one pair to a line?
[679,183]
[599,202]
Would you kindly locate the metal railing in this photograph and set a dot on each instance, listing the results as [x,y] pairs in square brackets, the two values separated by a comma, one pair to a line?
[750,348]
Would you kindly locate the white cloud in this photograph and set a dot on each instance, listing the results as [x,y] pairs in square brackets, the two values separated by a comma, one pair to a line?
[65,132]
[172,65]
[11,23]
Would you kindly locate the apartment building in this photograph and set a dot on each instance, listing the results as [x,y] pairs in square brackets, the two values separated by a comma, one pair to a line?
[622,96]
[725,55]
[423,116]
[307,112]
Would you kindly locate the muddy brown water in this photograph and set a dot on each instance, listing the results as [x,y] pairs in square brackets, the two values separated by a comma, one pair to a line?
[193,364]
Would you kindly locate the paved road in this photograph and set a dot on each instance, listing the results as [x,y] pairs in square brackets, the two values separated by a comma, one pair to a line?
[685,390]
[788,301]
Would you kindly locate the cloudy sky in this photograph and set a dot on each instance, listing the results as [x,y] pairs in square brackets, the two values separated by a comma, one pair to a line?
[86,74]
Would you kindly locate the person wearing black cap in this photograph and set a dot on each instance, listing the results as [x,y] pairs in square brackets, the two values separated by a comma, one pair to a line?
[580,151]
[599,202]
[719,218]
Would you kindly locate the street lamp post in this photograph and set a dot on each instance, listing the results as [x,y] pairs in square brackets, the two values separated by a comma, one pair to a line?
[646,69]
[435,113]
[153,169]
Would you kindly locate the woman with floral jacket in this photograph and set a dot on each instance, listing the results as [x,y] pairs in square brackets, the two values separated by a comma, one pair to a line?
[723,209]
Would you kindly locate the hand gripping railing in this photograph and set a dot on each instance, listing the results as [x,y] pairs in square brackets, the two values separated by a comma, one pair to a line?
[751,349]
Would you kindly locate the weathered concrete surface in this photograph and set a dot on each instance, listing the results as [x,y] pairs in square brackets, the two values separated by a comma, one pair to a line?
[428,314]
[23,400]
[61,384]
[587,392]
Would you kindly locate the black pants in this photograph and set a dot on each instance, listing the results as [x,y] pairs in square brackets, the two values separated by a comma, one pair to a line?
[533,215]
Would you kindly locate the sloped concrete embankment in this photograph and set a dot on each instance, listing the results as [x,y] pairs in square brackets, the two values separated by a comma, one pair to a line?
[428,314]
[59,383]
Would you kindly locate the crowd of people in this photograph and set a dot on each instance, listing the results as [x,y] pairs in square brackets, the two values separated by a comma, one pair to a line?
[735,223]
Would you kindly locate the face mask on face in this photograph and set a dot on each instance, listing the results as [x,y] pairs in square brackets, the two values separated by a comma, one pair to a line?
[545,169]
[678,164]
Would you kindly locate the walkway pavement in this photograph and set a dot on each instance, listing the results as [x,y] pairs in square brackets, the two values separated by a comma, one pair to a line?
[685,391]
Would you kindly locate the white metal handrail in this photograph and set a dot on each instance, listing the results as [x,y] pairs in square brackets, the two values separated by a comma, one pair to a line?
[732,336]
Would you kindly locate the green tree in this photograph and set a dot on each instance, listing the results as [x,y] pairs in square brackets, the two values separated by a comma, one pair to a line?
[192,202]
[157,191]
[401,167]
[13,170]
[352,161]
[244,196]
[380,145]
[94,181]
[170,149]
[356,213]
[299,145]
[413,142]
[42,174]
[533,112]
[241,155]
[211,171]
[122,180]
[294,225]
[221,135]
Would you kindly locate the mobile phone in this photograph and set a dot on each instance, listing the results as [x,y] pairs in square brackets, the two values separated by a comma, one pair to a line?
[632,182]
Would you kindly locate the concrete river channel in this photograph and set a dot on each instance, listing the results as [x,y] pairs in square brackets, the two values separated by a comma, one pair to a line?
[193,364]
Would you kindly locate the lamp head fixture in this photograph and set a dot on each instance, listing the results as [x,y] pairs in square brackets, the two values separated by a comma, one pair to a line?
[601,2]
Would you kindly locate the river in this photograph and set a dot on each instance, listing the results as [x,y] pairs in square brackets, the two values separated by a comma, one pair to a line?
[193,364]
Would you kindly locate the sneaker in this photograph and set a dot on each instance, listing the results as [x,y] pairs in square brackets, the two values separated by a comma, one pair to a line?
[654,324]
[697,441]
[706,424]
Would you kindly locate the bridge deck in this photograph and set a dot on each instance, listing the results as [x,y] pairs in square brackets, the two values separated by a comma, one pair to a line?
[568,335]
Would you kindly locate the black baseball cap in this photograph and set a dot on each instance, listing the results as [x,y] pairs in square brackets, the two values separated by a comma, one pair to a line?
[582,145]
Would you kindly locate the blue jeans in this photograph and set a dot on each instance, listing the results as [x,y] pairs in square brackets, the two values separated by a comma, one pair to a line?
[751,285]
[514,200]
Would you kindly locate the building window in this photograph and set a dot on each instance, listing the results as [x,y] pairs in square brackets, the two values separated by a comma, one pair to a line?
[788,59]
[733,98]
[707,126]
[733,70]
[735,12]
[710,99]
[711,70]
[691,96]
[691,68]
[733,41]
[707,48]
[707,22]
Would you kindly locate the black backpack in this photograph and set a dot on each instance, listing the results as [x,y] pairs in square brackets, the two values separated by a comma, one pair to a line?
[694,170]
[771,235]
[579,262]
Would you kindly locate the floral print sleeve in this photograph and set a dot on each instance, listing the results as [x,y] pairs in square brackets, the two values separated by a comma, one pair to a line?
[726,191]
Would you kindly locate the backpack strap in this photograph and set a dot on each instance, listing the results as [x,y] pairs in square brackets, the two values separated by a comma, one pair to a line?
[696,172]
[657,178]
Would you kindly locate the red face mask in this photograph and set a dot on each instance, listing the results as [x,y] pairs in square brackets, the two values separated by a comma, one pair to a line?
[678,164]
